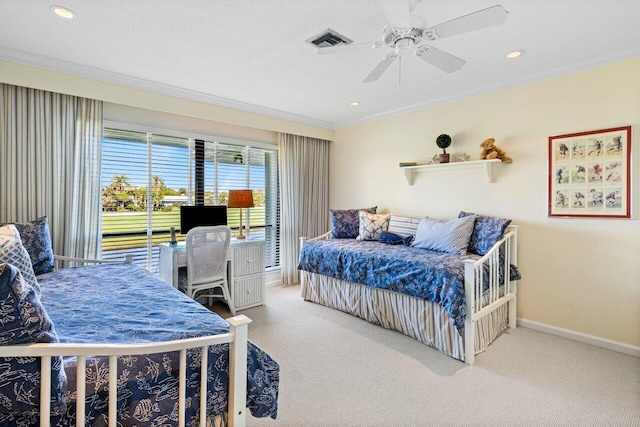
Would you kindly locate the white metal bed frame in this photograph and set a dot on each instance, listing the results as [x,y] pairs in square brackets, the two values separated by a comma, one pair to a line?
[479,304]
[237,339]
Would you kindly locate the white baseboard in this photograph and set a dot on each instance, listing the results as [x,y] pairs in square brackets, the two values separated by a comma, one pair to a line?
[273,277]
[620,347]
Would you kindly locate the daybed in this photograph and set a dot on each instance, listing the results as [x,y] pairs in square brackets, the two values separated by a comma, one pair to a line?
[129,346]
[456,303]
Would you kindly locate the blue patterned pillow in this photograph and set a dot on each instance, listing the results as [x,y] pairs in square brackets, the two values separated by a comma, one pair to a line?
[450,236]
[486,233]
[346,223]
[37,240]
[25,321]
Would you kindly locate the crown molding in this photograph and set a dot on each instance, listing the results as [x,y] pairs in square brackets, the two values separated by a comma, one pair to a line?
[505,84]
[41,61]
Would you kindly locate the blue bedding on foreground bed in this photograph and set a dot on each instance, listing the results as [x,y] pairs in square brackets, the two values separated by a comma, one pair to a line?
[422,273]
[126,304]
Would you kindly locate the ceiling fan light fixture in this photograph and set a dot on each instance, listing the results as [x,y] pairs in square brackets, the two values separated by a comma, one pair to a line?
[515,54]
[405,30]
[63,12]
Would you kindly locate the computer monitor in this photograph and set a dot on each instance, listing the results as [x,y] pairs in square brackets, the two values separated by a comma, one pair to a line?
[201,216]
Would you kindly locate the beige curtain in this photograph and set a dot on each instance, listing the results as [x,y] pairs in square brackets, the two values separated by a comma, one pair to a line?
[304,195]
[50,148]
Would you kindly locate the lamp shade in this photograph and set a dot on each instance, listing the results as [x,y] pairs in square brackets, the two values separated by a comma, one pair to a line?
[240,199]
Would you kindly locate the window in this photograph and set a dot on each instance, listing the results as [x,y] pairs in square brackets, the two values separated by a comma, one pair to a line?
[147,177]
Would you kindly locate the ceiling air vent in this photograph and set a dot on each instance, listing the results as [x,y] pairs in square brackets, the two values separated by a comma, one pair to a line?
[328,38]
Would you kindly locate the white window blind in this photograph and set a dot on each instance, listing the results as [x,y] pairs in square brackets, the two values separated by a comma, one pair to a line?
[235,167]
[146,178]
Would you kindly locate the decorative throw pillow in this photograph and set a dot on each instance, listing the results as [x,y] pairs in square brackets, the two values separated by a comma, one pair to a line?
[390,238]
[25,321]
[37,240]
[12,252]
[372,225]
[403,225]
[450,236]
[346,223]
[486,232]
[394,239]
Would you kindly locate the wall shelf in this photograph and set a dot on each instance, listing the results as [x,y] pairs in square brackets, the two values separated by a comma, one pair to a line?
[487,165]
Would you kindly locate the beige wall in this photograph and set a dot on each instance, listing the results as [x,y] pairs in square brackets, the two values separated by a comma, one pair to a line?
[233,123]
[582,275]
[578,274]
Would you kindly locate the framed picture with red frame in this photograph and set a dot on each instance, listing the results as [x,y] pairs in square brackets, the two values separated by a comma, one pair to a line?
[590,174]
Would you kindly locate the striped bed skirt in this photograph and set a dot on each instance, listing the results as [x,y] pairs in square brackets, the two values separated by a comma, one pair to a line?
[423,320]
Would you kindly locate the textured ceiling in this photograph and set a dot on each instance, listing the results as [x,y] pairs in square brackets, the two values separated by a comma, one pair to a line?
[251,54]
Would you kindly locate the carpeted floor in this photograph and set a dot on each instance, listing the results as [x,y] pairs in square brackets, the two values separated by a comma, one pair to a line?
[338,370]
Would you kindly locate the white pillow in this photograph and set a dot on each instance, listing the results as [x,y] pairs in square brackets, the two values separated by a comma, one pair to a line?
[372,225]
[403,225]
[445,236]
[12,252]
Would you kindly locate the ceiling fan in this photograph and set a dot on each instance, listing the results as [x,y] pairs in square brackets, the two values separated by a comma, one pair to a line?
[406,28]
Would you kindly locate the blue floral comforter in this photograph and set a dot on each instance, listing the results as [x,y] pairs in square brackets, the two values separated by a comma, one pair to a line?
[126,304]
[422,273]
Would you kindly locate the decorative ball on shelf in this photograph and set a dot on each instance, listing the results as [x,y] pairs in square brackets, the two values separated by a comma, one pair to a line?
[444,141]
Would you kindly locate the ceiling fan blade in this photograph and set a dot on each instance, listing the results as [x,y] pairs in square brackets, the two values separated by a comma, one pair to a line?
[440,59]
[484,18]
[396,12]
[379,69]
[349,47]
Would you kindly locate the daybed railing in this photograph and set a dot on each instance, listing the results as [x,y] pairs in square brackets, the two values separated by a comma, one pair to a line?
[325,236]
[237,339]
[479,303]
[60,261]
[237,370]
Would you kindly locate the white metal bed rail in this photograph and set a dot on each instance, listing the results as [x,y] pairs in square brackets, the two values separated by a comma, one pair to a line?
[60,261]
[325,236]
[237,337]
[479,303]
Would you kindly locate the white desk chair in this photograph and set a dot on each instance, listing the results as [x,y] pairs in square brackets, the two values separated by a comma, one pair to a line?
[207,249]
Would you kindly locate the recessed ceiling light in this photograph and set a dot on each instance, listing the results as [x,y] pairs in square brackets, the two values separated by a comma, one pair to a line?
[515,54]
[63,12]
[354,103]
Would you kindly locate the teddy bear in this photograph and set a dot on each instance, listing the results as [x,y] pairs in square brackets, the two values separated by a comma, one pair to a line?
[490,151]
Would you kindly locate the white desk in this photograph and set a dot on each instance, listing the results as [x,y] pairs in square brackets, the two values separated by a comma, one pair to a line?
[246,272]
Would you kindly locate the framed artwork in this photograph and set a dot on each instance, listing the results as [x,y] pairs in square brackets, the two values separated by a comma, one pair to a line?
[590,174]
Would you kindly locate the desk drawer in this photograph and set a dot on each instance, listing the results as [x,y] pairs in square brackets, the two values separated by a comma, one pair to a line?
[181,259]
[248,259]
[248,291]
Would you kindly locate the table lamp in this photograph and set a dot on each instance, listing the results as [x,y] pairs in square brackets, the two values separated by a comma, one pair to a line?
[240,199]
